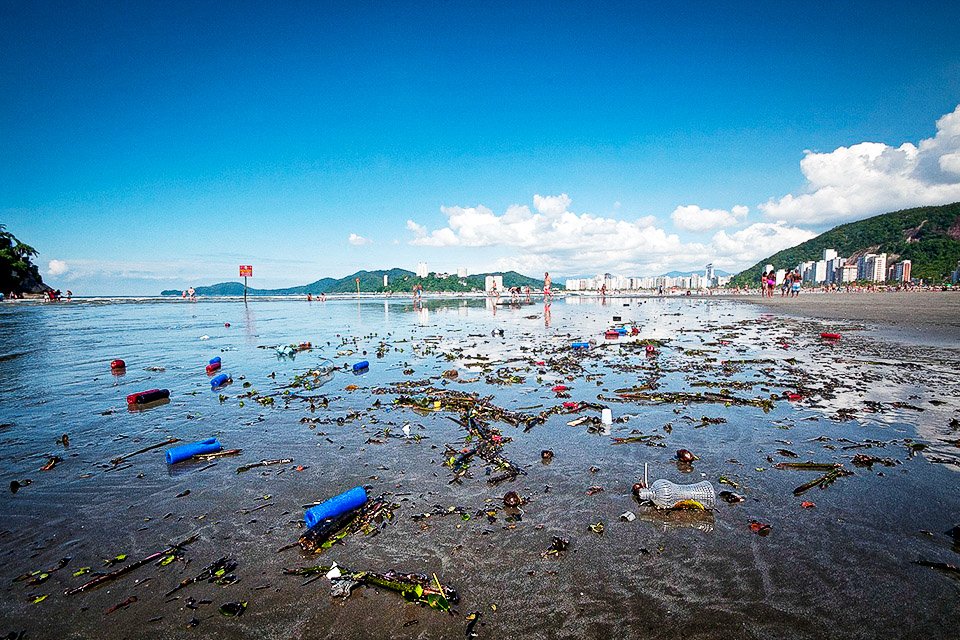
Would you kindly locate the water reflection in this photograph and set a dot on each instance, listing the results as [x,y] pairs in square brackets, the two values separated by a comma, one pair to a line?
[667,519]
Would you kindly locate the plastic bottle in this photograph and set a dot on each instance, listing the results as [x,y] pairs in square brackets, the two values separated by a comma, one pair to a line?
[665,494]
[187,451]
[219,381]
[146,397]
[335,506]
[360,366]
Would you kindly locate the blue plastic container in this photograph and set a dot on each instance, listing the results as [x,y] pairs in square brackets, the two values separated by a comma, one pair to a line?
[185,451]
[215,360]
[219,381]
[360,366]
[580,345]
[621,331]
[335,506]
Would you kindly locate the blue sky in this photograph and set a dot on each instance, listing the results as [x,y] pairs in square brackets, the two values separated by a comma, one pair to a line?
[151,145]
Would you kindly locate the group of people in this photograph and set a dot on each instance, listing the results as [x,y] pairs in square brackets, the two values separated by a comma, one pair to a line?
[789,287]
[55,295]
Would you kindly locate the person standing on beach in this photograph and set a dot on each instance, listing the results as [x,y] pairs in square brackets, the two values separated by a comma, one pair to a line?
[546,285]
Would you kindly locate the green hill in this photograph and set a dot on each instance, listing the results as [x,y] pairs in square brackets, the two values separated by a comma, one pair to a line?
[18,274]
[398,281]
[927,236]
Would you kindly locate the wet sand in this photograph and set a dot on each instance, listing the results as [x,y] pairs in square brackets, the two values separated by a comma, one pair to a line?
[923,317]
[844,567]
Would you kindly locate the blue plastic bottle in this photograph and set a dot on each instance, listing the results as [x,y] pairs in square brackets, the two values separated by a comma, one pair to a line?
[185,451]
[360,366]
[335,506]
[219,381]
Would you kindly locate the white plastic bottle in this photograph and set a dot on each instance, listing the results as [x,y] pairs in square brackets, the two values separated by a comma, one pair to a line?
[665,494]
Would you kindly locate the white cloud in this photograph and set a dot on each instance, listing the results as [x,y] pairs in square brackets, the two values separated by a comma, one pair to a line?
[551,205]
[850,183]
[755,242]
[358,241]
[693,218]
[555,238]
[57,268]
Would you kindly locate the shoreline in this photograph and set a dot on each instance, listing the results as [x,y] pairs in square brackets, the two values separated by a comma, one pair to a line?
[928,317]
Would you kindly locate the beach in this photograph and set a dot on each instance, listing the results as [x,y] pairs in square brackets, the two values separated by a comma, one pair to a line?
[748,389]
[925,316]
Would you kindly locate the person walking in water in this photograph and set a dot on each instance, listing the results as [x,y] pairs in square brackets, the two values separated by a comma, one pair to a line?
[546,285]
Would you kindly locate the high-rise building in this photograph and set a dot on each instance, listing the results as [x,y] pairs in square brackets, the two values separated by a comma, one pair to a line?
[820,271]
[422,270]
[829,254]
[901,271]
[461,272]
[848,272]
[491,281]
[386,278]
[708,274]
[880,267]
[872,267]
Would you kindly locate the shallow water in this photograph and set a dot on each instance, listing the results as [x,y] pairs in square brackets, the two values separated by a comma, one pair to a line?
[842,568]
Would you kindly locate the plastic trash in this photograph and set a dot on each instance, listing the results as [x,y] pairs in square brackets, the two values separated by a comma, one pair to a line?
[580,345]
[362,365]
[151,395]
[118,364]
[219,381]
[606,416]
[665,494]
[335,506]
[215,360]
[185,451]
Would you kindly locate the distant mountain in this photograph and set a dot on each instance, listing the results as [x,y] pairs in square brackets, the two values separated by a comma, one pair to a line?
[671,274]
[927,236]
[398,281]
[685,274]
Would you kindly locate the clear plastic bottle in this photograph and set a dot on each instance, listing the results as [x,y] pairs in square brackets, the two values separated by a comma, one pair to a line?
[665,494]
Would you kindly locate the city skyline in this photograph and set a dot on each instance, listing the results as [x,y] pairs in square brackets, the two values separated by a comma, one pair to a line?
[147,148]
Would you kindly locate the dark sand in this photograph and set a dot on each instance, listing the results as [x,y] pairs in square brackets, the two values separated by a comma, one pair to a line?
[844,568]
[922,317]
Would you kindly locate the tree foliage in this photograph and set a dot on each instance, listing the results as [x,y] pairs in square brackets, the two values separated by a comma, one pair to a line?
[927,236]
[17,272]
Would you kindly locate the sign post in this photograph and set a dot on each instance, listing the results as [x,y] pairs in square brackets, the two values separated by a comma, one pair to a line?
[246,271]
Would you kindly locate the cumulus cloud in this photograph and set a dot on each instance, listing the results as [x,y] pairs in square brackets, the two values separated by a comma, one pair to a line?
[551,237]
[693,218]
[756,241]
[357,240]
[57,268]
[850,183]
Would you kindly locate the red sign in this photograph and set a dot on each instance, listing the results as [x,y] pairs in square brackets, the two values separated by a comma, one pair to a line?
[246,271]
